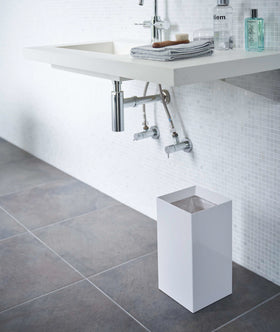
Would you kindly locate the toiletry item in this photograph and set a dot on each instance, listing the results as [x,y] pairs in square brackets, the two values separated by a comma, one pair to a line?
[222,17]
[203,34]
[182,36]
[254,32]
[174,52]
[169,43]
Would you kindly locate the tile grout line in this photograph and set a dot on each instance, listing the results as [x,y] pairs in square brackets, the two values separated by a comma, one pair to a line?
[75,282]
[122,264]
[77,271]
[12,236]
[246,312]
[74,217]
[55,223]
[40,296]
[29,188]
[118,305]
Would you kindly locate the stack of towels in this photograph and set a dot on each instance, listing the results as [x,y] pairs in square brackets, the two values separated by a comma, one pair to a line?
[175,52]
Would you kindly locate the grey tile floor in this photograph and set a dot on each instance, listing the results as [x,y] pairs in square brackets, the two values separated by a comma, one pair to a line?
[74,259]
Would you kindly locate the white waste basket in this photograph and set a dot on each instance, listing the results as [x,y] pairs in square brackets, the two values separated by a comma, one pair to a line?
[194,246]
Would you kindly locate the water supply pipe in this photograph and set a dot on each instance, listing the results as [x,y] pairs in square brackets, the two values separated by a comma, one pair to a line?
[119,103]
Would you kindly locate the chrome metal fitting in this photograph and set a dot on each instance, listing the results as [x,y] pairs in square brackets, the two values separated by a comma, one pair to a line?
[136,101]
[118,103]
[153,132]
[117,107]
[166,96]
[156,24]
[222,2]
[185,146]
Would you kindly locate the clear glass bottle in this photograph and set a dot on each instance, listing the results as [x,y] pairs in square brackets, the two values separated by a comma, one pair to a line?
[223,13]
[254,32]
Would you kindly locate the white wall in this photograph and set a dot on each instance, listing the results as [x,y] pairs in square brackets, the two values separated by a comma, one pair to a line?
[64,118]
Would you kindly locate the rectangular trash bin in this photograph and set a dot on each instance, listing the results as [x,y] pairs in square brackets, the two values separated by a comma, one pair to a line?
[194,246]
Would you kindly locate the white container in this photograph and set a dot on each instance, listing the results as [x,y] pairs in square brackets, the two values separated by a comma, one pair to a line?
[195,247]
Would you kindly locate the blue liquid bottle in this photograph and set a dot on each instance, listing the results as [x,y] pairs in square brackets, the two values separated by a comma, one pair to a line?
[254,32]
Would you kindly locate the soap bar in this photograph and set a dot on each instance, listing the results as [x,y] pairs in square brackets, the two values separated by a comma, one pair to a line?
[182,36]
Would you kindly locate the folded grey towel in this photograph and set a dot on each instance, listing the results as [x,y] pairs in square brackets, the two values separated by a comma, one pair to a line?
[170,53]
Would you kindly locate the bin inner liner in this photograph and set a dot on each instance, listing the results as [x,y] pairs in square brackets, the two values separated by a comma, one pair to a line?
[193,204]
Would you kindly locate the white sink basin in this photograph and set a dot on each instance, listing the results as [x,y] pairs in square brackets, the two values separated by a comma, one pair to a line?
[116,48]
[111,60]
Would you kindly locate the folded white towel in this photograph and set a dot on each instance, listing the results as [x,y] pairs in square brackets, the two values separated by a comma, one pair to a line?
[170,53]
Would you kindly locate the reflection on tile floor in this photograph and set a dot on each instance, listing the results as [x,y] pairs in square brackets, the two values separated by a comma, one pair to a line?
[29,269]
[101,239]
[264,318]
[54,201]
[26,173]
[134,286]
[56,231]
[80,307]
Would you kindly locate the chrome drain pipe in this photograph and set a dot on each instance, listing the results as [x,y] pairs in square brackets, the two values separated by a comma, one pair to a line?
[136,101]
[118,103]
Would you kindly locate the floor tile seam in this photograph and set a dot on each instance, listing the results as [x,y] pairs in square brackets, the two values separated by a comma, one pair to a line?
[74,217]
[53,224]
[41,296]
[247,311]
[85,278]
[57,222]
[122,264]
[117,304]
[29,188]
[42,242]
[77,271]
[30,232]
[13,236]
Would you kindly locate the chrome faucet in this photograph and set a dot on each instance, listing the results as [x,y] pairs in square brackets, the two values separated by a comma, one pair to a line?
[156,24]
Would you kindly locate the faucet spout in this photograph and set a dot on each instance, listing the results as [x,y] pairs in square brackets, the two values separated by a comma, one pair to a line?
[156,24]
[155,8]
[141,3]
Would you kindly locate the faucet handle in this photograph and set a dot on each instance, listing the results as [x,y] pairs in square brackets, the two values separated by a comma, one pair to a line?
[145,24]
[162,25]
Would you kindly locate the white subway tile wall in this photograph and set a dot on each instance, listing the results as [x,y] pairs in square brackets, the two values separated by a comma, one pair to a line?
[64,118]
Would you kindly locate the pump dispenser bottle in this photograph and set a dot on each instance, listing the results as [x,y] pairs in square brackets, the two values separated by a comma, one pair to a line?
[254,32]
[223,12]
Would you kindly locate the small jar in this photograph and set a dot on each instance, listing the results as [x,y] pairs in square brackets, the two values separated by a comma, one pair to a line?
[203,35]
